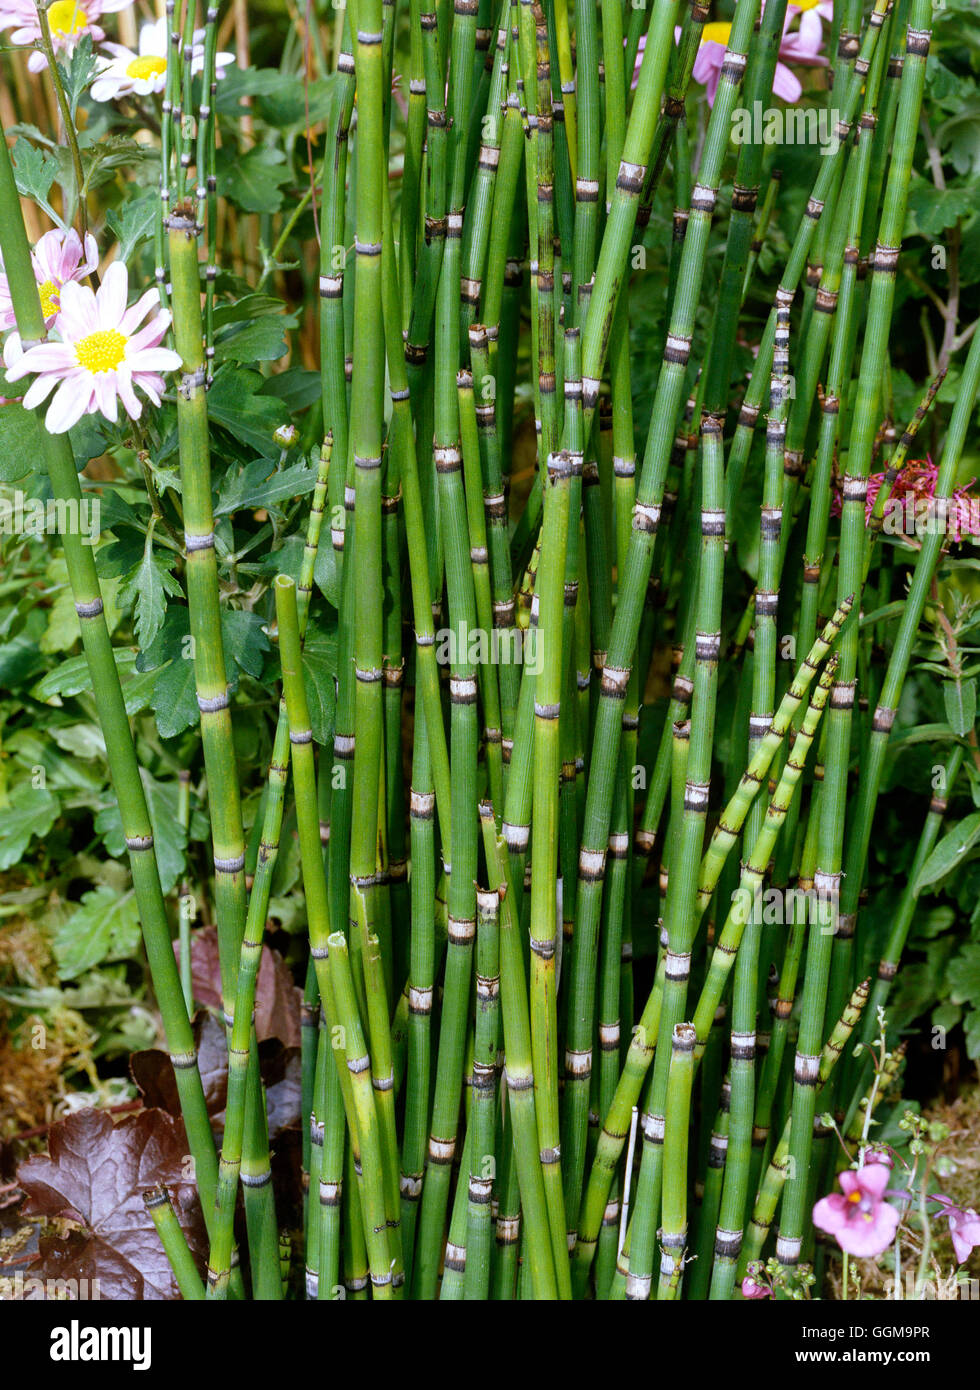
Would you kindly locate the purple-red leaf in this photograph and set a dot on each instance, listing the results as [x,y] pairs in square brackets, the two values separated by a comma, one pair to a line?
[277,998]
[95,1174]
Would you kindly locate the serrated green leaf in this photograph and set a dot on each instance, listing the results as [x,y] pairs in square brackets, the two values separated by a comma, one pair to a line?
[169,836]
[148,585]
[106,927]
[253,180]
[263,340]
[245,640]
[30,811]
[963,975]
[288,104]
[949,853]
[34,173]
[259,484]
[133,222]
[236,402]
[319,670]
[77,72]
[20,442]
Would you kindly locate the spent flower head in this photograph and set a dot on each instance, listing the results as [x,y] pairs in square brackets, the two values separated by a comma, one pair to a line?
[102,356]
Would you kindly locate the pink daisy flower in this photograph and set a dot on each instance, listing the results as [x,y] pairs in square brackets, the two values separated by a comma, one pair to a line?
[57,258]
[802,47]
[861,1221]
[144,72]
[68,20]
[102,357]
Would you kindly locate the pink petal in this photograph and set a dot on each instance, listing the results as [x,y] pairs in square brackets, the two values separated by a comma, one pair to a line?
[830,1213]
[78,311]
[154,360]
[48,257]
[151,384]
[708,62]
[47,357]
[111,298]
[124,385]
[869,1234]
[39,390]
[91,261]
[848,1181]
[873,1178]
[70,403]
[786,84]
[104,388]
[138,311]
[811,31]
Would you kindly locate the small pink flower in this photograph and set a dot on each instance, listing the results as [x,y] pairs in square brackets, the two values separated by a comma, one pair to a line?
[964,1227]
[861,1221]
[57,258]
[750,1289]
[68,20]
[102,355]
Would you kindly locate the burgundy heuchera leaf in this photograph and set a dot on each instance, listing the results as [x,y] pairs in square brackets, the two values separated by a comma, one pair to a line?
[95,1174]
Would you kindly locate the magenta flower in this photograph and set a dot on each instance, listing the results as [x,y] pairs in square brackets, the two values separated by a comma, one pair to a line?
[750,1289]
[861,1221]
[964,1227]
[102,356]
[911,500]
[68,20]
[57,258]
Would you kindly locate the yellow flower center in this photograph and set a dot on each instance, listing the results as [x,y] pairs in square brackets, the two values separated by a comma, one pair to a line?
[101,351]
[854,1197]
[66,17]
[716,32]
[50,293]
[143,68]
[806,4]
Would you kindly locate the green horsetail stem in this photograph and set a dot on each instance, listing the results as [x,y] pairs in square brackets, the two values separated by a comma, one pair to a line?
[161,1212]
[364,1114]
[213,692]
[482,1126]
[775,1178]
[550,596]
[673,1239]
[726,832]
[680,914]
[210,671]
[855,487]
[240,1048]
[755,866]
[515,1016]
[111,709]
